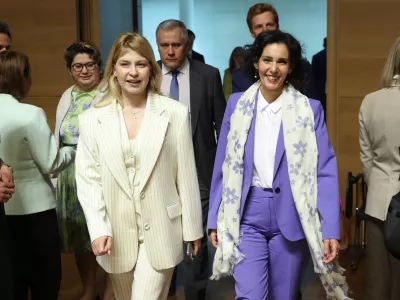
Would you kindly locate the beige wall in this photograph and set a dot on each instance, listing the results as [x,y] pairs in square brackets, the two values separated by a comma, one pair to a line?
[42,30]
[360,34]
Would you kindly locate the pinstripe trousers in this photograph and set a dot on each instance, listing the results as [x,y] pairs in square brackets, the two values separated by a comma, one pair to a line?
[143,282]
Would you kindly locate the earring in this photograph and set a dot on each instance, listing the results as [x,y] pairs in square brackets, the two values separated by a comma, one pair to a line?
[256,73]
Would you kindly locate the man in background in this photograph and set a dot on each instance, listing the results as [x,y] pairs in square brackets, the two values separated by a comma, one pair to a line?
[5,36]
[260,17]
[191,53]
[199,87]
[318,65]
[263,17]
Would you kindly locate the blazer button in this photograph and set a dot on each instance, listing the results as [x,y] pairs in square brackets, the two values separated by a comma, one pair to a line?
[277,190]
[142,195]
[146,226]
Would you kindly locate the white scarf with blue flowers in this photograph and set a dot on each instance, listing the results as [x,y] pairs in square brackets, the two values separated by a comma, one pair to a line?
[301,150]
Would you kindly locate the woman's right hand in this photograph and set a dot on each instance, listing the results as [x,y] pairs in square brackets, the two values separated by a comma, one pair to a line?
[214,238]
[102,245]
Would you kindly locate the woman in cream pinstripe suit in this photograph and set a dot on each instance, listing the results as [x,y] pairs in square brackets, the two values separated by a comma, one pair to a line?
[136,175]
[380,159]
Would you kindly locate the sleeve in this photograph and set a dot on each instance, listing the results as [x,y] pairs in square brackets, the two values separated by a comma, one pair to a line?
[44,148]
[219,104]
[188,185]
[366,154]
[88,182]
[227,84]
[328,201]
[216,184]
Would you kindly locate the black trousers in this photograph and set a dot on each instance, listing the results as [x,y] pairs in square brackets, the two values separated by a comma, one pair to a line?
[6,260]
[35,243]
[195,273]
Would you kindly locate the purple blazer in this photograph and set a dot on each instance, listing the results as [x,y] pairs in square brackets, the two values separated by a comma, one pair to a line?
[328,202]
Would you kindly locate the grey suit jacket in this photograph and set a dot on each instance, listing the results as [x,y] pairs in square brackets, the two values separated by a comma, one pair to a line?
[380,148]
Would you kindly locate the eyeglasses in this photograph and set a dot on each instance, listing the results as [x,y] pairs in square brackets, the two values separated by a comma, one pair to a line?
[90,66]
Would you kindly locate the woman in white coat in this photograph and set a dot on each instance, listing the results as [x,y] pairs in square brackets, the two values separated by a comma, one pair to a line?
[29,147]
[136,175]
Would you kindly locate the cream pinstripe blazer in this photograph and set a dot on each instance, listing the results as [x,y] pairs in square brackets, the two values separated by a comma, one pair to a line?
[169,190]
[380,148]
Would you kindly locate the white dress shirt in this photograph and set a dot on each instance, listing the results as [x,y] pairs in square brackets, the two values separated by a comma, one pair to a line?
[183,82]
[268,123]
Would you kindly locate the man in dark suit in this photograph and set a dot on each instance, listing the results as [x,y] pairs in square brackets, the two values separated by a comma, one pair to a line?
[199,87]
[260,17]
[191,53]
[6,276]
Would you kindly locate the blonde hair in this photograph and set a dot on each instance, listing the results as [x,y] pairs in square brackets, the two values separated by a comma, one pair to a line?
[128,41]
[392,66]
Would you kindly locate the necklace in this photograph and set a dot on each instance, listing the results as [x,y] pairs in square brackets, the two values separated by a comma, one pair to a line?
[134,114]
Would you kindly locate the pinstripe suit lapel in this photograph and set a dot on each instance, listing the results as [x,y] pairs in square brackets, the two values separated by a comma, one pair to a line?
[152,133]
[109,142]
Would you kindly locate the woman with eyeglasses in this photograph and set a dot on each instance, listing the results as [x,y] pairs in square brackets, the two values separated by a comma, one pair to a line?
[83,60]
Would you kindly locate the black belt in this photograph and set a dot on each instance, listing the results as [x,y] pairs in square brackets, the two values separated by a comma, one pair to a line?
[70,145]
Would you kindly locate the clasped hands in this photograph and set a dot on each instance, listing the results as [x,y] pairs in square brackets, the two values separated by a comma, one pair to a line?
[7,187]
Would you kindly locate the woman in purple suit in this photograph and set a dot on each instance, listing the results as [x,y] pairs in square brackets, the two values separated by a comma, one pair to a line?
[274,195]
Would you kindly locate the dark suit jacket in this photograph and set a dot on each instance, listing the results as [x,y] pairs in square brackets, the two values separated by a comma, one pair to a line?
[207,106]
[240,81]
[198,56]
[318,66]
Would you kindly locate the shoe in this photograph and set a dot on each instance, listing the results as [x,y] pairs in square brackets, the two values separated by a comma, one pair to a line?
[172,285]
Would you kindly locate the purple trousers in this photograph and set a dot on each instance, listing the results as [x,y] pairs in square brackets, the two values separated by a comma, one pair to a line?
[273,266]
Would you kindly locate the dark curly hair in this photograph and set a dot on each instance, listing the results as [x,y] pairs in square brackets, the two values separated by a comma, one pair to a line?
[254,52]
[82,47]
[5,29]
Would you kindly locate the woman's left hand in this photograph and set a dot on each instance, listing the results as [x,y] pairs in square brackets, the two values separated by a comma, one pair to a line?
[331,250]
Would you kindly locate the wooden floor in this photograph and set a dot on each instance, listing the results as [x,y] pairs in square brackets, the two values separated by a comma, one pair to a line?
[224,289]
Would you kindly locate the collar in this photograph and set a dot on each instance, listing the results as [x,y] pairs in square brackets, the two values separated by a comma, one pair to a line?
[262,104]
[184,69]
[8,97]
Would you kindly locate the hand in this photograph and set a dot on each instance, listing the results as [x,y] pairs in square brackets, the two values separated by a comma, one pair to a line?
[214,238]
[196,246]
[331,250]
[6,190]
[102,245]
[6,174]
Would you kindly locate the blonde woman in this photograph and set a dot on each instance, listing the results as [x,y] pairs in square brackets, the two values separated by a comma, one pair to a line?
[380,159]
[136,175]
